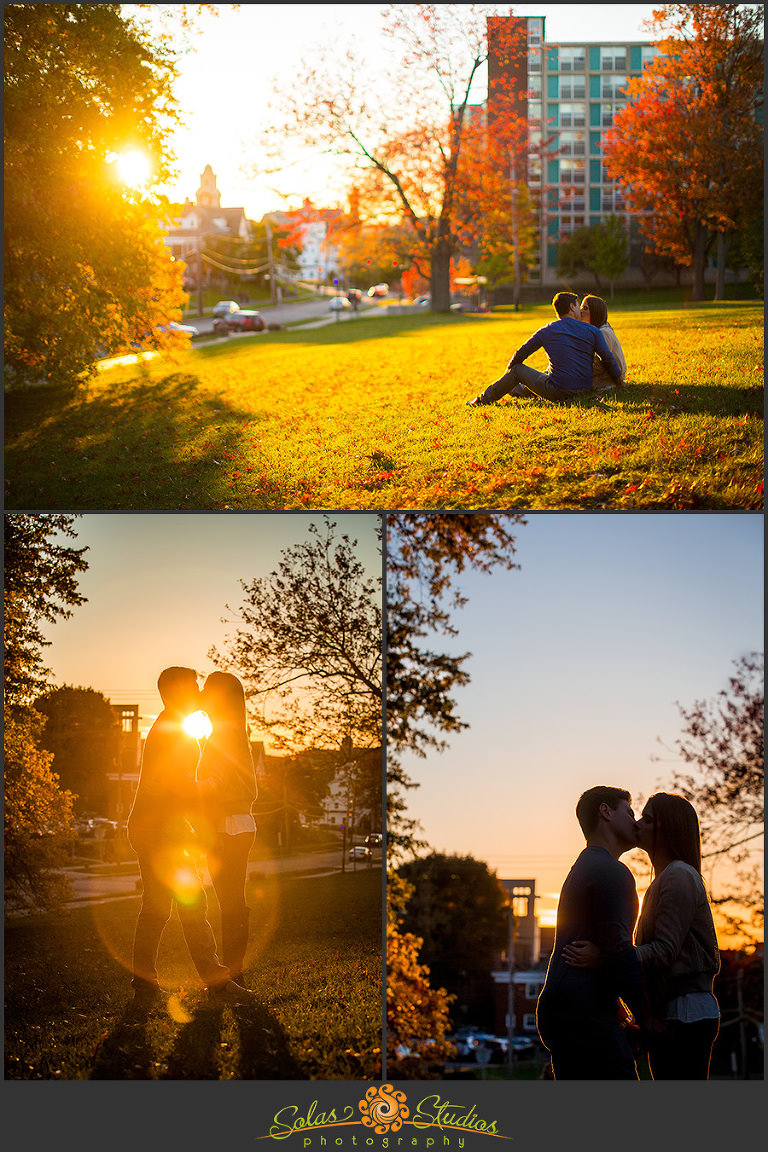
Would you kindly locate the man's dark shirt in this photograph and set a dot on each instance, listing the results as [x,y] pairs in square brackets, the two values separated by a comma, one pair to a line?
[598,902]
[571,345]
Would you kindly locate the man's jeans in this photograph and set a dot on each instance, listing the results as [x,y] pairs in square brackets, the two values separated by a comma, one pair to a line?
[537,383]
[168,876]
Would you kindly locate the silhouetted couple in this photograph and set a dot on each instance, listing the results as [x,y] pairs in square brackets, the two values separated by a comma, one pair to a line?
[601,990]
[584,356]
[186,802]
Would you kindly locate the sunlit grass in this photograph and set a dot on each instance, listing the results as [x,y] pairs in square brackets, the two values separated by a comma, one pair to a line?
[316,974]
[371,413]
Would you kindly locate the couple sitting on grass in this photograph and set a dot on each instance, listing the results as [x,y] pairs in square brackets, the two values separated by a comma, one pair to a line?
[584,356]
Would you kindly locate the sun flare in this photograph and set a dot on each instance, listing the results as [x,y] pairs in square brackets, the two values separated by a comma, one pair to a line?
[197,725]
[133,168]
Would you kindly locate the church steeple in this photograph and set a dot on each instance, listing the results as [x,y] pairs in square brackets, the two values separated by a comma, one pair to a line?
[208,195]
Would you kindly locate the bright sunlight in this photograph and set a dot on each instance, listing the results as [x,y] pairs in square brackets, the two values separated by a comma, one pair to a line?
[133,168]
[197,725]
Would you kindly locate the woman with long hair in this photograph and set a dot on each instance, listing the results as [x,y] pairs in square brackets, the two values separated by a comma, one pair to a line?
[227,789]
[675,942]
[594,311]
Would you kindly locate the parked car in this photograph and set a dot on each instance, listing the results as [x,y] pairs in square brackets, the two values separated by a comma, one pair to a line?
[373,840]
[224,307]
[468,1042]
[188,328]
[244,320]
[359,852]
[423,301]
[354,295]
[523,1046]
[378,290]
[339,303]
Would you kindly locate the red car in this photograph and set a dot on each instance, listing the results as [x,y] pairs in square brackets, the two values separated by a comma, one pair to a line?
[244,320]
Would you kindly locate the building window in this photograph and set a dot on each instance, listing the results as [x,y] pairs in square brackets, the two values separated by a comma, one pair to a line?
[529,1022]
[608,113]
[572,59]
[532,992]
[613,86]
[572,89]
[535,31]
[648,54]
[534,109]
[613,60]
[572,143]
[572,171]
[534,87]
[534,60]
[572,115]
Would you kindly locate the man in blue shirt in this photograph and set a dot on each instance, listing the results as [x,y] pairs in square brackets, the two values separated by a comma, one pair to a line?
[571,346]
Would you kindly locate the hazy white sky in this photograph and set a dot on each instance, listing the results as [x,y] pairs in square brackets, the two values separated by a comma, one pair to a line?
[577,661]
[234,63]
[157,587]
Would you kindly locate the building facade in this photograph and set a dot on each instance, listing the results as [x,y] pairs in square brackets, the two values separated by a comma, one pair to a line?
[569,93]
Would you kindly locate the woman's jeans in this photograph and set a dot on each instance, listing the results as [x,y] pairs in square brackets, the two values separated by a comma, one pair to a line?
[682,1051]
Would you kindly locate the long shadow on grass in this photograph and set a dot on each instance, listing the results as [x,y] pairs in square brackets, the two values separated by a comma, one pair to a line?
[125,1053]
[263,1048]
[123,448]
[698,398]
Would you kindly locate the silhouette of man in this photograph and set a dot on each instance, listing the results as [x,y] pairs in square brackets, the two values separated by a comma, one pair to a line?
[159,833]
[571,347]
[577,1014]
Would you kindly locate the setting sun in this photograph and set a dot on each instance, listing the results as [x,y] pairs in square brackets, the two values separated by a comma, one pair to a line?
[197,725]
[133,168]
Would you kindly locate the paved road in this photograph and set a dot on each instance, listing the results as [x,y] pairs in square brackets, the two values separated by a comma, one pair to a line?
[286,313]
[102,883]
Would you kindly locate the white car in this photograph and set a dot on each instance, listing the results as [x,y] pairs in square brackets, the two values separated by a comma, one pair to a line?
[378,290]
[339,304]
[358,852]
[224,307]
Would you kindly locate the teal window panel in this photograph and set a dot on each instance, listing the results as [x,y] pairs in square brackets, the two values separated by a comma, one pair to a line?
[553,171]
[594,87]
[553,228]
[594,199]
[594,59]
[552,256]
[553,88]
[594,144]
[594,171]
[635,58]
[552,60]
[595,115]
[553,115]
[594,221]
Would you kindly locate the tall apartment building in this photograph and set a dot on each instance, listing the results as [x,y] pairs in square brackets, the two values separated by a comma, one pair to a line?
[570,94]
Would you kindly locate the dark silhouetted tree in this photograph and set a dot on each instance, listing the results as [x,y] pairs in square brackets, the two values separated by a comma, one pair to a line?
[83,733]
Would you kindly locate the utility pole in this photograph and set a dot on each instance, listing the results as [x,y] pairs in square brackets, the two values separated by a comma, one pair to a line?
[272,285]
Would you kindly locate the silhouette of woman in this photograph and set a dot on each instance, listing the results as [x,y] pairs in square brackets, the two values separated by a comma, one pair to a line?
[227,789]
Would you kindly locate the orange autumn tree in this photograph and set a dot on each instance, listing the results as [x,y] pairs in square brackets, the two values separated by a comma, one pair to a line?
[406,132]
[688,147]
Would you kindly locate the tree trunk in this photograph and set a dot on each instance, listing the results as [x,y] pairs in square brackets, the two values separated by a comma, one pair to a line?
[440,276]
[723,244]
[699,263]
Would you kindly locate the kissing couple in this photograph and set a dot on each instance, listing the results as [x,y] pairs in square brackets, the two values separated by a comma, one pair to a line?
[605,995]
[186,801]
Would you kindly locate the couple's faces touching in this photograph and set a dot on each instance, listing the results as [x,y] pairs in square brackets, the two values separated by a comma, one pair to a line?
[634,833]
[583,311]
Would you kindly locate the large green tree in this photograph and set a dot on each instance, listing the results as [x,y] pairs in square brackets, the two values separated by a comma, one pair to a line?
[457,908]
[83,733]
[40,575]
[426,553]
[688,148]
[86,268]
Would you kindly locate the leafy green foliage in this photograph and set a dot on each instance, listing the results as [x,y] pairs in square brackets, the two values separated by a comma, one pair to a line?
[40,580]
[37,819]
[457,907]
[601,250]
[370,414]
[85,264]
[83,733]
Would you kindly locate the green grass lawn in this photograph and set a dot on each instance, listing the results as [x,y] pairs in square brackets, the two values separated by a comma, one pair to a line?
[314,963]
[370,413]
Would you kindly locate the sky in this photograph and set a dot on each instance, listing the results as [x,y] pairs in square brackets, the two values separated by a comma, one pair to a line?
[158,586]
[236,60]
[577,661]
